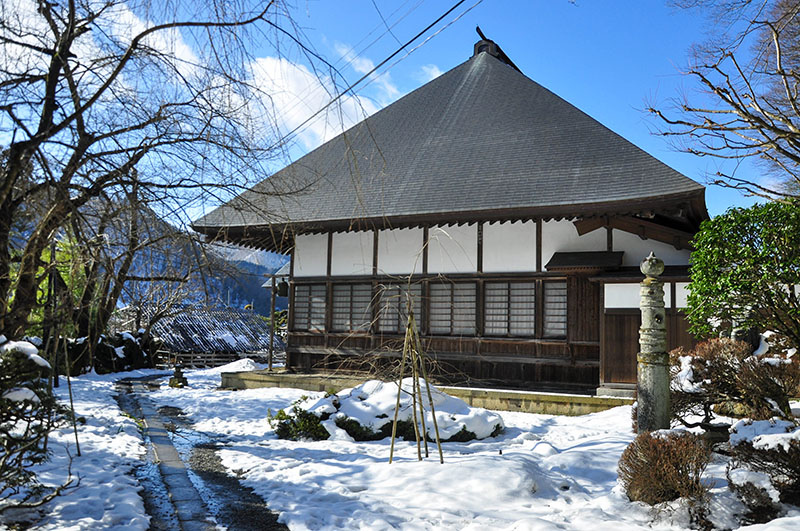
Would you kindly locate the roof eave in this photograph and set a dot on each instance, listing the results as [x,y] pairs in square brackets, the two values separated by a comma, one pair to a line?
[279,237]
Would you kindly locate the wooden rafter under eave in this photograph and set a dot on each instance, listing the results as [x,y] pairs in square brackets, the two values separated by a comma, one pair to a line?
[640,227]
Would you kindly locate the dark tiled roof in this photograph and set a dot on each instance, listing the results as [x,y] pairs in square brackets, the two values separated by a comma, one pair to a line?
[222,330]
[480,139]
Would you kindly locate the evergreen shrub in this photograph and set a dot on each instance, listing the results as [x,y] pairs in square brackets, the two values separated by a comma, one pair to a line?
[29,411]
[298,424]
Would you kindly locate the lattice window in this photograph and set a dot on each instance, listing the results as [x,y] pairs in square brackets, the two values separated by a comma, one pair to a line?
[452,308]
[555,309]
[309,307]
[351,307]
[510,309]
[393,307]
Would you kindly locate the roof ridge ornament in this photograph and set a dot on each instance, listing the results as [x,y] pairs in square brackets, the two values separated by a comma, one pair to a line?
[492,48]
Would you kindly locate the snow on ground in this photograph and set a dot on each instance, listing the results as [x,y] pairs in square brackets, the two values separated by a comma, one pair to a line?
[543,472]
[107,496]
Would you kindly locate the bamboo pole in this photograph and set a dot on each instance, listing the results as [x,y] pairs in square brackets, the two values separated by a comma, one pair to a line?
[272,290]
[428,387]
[399,390]
[415,361]
[414,403]
[71,403]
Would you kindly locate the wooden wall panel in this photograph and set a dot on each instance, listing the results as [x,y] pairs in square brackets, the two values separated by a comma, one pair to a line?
[621,331]
[583,309]
[448,344]
[510,348]
[678,334]
[621,342]
[585,352]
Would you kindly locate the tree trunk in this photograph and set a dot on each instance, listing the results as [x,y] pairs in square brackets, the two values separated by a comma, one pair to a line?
[27,282]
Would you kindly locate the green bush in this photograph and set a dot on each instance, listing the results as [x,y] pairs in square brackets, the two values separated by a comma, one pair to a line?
[656,469]
[744,270]
[363,433]
[463,435]
[28,413]
[300,424]
[405,431]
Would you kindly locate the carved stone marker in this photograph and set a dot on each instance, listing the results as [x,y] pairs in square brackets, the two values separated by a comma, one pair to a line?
[178,379]
[653,368]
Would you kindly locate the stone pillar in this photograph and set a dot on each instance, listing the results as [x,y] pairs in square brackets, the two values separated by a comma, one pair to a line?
[653,368]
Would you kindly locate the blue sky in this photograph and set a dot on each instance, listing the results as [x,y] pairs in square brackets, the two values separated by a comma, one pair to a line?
[610,59]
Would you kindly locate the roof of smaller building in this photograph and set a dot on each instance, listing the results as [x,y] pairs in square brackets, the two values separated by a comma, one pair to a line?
[217,330]
[585,260]
[480,142]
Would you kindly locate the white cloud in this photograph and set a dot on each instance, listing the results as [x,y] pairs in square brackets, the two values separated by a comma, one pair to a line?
[362,65]
[295,93]
[429,73]
[124,24]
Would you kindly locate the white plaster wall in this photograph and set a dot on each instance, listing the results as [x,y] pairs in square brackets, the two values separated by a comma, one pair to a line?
[311,255]
[509,247]
[681,294]
[636,249]
[561,236]
[628,295]
[352,253]
[399,251]
[453,249]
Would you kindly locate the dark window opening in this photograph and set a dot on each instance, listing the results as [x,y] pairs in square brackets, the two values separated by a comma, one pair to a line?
[351,307]
[555,309]
[393,309]
[309,307]
[510,309]
[452,308]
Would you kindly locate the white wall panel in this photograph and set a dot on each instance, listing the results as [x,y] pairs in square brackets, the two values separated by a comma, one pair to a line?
[453,249]
[636,249]
[681,294]
[509,247]
[311,255]
[628,295]
[399,251]
[352,253]
[562,236]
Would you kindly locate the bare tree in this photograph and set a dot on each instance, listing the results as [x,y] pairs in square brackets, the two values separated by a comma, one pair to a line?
[117,98]
[749,71]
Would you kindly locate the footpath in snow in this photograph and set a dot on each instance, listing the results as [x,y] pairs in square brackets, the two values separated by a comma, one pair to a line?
[542,472]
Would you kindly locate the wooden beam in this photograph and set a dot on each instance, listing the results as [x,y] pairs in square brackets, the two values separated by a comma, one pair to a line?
[642,228]
[584,226]
[330,253]
[425,250]
[480,247]
[374,252]
[653,231]
[602,330]
[538,245]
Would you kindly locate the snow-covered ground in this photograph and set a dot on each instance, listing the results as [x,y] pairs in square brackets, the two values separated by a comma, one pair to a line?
[103,493]
[542,472]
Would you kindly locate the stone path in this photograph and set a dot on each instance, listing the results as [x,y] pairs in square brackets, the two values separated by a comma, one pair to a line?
[171,498]
[190,510]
